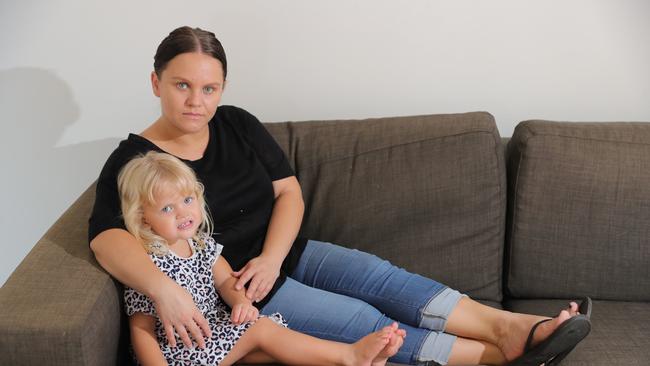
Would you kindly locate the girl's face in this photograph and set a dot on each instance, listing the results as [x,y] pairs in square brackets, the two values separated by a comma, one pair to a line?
[174,216]
[190,89]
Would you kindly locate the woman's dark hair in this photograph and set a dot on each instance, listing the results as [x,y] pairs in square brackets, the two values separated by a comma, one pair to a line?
[186,39]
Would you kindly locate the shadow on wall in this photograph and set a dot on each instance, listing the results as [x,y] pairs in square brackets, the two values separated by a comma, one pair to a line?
[39,180]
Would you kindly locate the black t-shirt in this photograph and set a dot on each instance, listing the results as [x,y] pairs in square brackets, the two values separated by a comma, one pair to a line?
[237,170]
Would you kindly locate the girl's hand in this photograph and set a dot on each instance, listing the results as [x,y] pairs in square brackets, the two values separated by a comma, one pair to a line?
[243,312]
[262,274]
[177,311]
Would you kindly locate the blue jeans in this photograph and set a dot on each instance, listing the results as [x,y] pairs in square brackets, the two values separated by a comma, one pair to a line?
[343,294]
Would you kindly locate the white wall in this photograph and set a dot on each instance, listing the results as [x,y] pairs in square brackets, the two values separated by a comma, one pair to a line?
[74,75]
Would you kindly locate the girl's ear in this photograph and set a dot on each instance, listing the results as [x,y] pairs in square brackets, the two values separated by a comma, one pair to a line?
[145,223]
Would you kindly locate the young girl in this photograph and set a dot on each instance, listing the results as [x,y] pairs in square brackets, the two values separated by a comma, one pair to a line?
[163,206]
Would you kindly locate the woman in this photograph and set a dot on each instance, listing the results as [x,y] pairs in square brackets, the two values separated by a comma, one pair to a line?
[257,206]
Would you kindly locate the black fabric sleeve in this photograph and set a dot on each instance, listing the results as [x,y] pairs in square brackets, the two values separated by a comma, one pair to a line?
[267,149]
[106,213]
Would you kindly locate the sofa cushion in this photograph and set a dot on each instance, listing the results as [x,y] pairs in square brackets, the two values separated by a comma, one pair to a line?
[425,192]
[579,210]
[620,331]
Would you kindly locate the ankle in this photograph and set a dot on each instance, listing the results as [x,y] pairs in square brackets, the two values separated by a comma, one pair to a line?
[502,327]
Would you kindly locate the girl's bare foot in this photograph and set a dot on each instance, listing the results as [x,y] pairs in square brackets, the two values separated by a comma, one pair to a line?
[396,341]
[367,349]
[515,333]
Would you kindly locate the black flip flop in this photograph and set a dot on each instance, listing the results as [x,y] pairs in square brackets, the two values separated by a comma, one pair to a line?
[584,309]
[564,338]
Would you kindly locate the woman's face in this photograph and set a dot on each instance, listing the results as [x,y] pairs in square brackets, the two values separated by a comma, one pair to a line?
[189,88]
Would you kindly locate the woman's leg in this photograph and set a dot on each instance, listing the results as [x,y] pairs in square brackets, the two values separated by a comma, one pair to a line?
[416,300]
[341,318]
[407,297]
[267,341]
[508,331]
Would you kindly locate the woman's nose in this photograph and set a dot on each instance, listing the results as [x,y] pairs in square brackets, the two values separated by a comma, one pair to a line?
[194,98]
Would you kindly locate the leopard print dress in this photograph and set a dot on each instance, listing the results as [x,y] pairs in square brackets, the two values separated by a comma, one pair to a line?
[195,275]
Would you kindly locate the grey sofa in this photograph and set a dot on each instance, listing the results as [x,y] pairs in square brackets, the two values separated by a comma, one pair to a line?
[560,211]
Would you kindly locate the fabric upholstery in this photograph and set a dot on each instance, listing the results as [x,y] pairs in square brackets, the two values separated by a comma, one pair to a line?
[59,302]
[406,188]
[579,210]
[619,331]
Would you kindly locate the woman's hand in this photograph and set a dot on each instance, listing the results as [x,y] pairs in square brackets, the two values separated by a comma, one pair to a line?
[177,311]
[262,273]
[243,312]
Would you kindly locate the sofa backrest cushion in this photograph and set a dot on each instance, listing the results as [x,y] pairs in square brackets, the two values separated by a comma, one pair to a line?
[425,192]
[579,210]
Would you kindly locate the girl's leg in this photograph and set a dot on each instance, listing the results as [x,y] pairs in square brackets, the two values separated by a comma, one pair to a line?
[266,338]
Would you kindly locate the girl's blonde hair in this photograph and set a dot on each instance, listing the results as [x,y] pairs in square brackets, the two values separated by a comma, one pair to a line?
[144,176]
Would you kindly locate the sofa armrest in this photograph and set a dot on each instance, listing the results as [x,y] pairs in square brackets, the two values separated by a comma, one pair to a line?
[59,307]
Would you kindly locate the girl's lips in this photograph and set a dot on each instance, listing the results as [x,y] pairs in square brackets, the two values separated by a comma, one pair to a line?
[185,225]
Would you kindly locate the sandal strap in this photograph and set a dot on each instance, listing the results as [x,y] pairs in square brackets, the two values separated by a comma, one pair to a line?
[529,341]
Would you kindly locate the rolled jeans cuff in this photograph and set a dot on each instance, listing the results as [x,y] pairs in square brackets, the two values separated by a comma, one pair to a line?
[437,310]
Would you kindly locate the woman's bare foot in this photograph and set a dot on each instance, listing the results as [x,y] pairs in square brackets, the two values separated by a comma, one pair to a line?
[365,351]
[516,331]
[396,341]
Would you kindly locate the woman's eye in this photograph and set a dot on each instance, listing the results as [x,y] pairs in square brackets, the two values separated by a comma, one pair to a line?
[167,209]
[208,90]
[189,200]
[182,85]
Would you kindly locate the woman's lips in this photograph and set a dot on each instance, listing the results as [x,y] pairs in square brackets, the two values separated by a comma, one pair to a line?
[193,115]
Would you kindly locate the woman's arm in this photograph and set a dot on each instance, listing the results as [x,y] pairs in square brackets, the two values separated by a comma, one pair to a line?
[263,271]
[242,307]
[125,259]
[143,338]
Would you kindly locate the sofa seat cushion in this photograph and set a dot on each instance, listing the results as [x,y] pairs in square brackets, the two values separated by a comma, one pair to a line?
[620,333]
[425,192]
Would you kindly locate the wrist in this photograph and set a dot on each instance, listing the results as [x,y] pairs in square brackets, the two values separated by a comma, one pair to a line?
[272,258]
[158,286]
[244,301]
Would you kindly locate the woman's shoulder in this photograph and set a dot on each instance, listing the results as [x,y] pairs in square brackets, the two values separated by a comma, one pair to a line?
[235,115]
[132,146]
[231,110]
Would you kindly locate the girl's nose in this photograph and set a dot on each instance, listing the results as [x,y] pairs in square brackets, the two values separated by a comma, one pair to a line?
[181,212]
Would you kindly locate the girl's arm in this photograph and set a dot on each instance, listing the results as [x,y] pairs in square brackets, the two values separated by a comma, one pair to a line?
[242,307]
[143,338]
[263,271]
[124,258]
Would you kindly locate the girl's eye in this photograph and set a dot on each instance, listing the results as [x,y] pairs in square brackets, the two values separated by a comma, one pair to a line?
[189,200]
[167,209]
[208,90]
[182,85]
